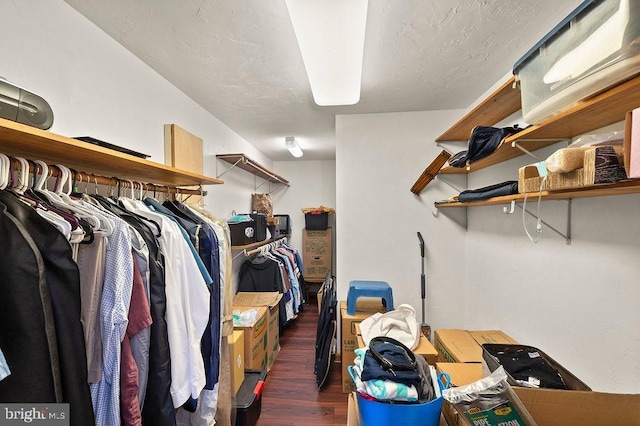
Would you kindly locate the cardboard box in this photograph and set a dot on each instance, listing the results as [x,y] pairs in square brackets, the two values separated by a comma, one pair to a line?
[271,301]
[424,348]
[461,374]
[316,254]
[236,359]
[255,339]
[454,345]
[316,267]
[550,407]
[316,243]
[365,307]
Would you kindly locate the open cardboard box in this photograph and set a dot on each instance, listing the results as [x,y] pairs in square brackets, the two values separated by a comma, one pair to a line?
[550,407]
[270,301]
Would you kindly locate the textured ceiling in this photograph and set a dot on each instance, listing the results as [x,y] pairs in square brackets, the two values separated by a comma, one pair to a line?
[239,59]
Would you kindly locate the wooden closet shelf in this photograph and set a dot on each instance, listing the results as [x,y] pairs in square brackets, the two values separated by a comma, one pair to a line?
[35,144]
[602,110]
[496,107]
[253,167]
[503,153]
[620,188]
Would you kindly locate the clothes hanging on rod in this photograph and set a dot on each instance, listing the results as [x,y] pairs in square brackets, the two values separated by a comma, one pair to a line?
[123,314]
[275,266]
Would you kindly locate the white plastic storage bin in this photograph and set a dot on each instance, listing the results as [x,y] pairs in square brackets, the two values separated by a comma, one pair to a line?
[594,48]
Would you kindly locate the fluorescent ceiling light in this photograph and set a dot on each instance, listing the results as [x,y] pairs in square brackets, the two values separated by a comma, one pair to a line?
[293,147]
[330,35]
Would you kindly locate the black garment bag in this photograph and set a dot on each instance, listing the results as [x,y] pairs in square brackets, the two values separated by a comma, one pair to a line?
[326,331]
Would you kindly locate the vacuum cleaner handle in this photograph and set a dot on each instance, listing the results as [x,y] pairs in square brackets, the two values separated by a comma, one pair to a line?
[422,278]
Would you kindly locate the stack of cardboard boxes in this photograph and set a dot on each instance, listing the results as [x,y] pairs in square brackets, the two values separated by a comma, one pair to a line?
[316,254]
[261,340]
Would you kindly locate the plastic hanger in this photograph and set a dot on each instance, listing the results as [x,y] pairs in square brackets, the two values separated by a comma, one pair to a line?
[97,220]
[4,171]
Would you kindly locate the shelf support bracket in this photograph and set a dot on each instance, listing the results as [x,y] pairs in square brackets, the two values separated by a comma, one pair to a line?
[515,144]
[258,186]
[566,235]
[232,166]
[449,184]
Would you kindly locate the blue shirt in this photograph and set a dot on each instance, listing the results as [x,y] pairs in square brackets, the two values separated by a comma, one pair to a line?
[4,368]
[114,311]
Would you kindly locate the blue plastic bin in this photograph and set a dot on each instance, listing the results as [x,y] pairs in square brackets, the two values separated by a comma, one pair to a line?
[374,413]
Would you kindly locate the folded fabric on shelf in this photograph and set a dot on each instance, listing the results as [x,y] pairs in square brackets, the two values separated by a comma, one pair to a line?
[505,188]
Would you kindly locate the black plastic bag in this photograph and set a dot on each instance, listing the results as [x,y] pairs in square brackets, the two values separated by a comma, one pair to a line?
[482,142]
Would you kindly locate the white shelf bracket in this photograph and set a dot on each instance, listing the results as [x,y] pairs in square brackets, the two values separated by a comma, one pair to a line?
[435,212]
[449,184]
[256,187]
[515,144]
[567,234]
[223,173]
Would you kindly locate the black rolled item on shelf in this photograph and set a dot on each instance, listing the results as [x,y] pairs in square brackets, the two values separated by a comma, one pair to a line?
[509,187]
[326,331]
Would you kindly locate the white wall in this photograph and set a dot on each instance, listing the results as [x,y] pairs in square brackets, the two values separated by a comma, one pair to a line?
[97,88]
[579,303]
[313,183]
[378,158]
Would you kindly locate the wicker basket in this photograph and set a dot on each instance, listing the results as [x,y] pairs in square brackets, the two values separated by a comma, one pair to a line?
[602,164]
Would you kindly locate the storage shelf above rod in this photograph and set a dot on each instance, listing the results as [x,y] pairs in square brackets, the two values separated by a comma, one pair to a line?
[602,110]
[251,166]
[496,107]
[24,141]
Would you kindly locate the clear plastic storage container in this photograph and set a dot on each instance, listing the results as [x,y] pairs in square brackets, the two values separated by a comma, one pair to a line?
[596,47]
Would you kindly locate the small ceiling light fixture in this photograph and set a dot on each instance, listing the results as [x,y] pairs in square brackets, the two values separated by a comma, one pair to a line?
[330,35]
[293,147]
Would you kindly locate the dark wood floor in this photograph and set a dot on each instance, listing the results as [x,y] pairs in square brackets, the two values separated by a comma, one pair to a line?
[290,396]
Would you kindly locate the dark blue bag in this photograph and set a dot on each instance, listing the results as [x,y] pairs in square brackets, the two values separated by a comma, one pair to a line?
[482,142]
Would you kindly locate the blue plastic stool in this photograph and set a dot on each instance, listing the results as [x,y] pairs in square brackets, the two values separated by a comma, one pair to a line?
[369,289]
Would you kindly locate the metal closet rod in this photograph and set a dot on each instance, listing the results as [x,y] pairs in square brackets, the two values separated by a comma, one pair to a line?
[268,246]
[91,178]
